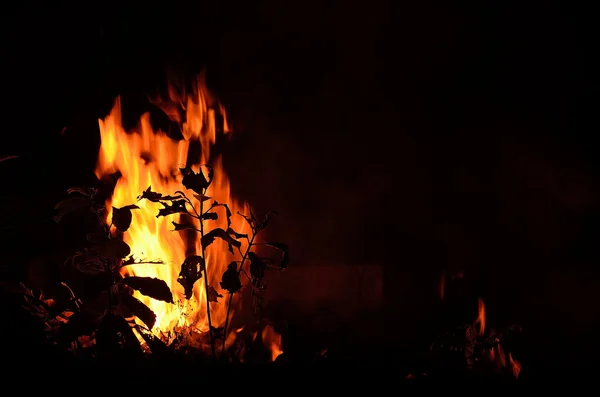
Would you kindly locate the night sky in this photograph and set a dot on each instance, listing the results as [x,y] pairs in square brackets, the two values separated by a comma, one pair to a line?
[426,137]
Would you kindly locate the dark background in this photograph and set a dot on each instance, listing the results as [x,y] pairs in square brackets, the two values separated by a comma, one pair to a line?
[423,138]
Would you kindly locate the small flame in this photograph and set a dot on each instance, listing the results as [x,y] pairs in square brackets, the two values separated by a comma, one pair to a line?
[480,316]
[501,356]
[498,357]
[149,158]
[496,354]
[272,341]
[515,366]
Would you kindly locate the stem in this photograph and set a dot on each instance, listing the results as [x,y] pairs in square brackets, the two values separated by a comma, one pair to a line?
[231,294]
[106,261]
[210,335]
[198,216]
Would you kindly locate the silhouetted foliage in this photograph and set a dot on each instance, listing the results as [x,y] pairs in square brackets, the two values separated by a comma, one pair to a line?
[106,254]
[194,266]
[78,324]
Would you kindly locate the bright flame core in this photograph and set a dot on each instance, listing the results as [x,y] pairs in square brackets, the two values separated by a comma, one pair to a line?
[149,158]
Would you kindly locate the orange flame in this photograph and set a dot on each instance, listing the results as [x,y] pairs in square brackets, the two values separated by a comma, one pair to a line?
[498,357]
[480,316]
[272,341]
[496,354]
[149,158]
[515,366]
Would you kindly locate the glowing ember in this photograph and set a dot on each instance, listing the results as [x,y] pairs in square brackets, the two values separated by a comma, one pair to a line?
[149,158]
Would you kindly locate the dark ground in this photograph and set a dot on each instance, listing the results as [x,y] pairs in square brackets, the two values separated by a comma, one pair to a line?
[426,138]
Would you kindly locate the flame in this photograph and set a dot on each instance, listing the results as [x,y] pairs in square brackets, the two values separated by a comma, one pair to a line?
[146,157]
[501,356]
[515,366]
[496,354]
[480,316]
[272,341]
[501,360]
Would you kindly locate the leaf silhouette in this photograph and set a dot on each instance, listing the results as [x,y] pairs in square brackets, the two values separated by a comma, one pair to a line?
[236,234]
[210,216]
[156,345]
[156,197]
[182,226]
[131,260]
[216,204]
[194,181]
[230,281]
[209,238]
[257,266]
[176,207]
[71,204]
[285,258]
[150,286]
[212,294]
[121,217]
[191,271]
[139,309]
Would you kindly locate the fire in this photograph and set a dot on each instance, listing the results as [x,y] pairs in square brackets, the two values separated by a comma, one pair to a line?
[146,158]
[272,341]
[515,366]
[481,316]
[496,354]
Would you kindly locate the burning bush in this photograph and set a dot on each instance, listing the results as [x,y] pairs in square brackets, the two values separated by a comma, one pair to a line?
[168,222]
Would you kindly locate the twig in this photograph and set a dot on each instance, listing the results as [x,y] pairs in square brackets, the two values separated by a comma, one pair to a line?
[210,335]
[254,233]
[246,274]
[196,214]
